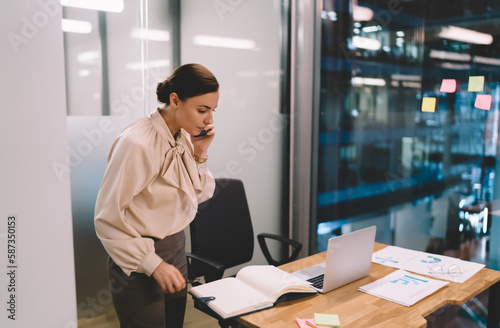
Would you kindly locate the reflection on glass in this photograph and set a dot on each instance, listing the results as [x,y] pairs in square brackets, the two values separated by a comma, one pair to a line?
[390,134]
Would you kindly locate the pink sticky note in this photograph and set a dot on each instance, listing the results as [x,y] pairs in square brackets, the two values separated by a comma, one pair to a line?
[448,85]
[303,324]
[483,102]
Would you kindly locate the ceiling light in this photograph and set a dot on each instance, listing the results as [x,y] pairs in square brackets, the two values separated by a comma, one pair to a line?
[486,60]
[366,43]
[218,41]
[115,6]
[88,57]
[76,26]
[367,81]
[84,72]
[150,64]
[331,15]
[401,77]
[465,35]
[150,34]
[373,28]
[446,55]
[362,13]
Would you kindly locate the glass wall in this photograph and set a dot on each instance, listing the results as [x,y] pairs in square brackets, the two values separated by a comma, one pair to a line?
[114,61]
[115,54]
[408,121]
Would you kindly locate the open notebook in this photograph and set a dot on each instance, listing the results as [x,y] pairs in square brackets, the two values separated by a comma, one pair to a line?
[348,258]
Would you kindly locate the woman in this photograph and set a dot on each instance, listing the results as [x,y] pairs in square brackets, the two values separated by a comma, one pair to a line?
[156,176]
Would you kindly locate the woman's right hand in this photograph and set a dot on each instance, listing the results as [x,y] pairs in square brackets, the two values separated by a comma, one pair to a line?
[169,278]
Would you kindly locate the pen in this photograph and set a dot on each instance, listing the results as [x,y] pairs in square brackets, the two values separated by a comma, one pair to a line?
[208,298]
[193,280]
[311,324]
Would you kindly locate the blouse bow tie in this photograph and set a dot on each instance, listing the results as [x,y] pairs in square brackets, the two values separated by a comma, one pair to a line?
[180,171]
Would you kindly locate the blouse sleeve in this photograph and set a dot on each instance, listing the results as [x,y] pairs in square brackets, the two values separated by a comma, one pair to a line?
[130,170]
[207,183]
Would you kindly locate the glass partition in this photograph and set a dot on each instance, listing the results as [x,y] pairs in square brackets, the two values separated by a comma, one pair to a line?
[408,128]
[114,58]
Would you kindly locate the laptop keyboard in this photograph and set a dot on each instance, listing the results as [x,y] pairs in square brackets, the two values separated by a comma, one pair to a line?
[317,281]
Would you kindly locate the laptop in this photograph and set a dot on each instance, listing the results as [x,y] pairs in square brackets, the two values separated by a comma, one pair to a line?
[348,258]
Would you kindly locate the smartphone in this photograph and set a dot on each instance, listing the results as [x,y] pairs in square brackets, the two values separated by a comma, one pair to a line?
[202,133]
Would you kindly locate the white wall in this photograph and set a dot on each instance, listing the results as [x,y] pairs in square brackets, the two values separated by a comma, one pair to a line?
[250,132]
[33,140]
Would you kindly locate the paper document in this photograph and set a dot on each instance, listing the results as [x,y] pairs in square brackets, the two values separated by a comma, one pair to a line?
[433,265]
[403,287]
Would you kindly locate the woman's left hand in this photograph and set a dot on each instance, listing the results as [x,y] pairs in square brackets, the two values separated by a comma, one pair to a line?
[201,144]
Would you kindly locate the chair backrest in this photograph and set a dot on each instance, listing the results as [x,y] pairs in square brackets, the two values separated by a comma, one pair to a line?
[222,229]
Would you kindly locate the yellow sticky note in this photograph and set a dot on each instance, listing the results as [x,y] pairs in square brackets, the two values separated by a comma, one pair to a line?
[448,85]
[429,104]
[329,320]
[483,102]
[476,83]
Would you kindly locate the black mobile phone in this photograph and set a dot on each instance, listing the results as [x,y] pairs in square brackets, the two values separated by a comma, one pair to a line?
[202,133]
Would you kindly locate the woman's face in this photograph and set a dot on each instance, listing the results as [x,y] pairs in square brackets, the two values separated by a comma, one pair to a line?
[196,113]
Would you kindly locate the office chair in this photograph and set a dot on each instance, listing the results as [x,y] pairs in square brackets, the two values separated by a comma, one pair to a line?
[222,236]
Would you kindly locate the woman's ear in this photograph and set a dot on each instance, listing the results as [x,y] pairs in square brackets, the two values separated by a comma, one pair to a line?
[174,100]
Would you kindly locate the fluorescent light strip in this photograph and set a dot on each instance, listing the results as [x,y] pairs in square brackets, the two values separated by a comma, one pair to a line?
[88,57]
[455,66]
[76,26]
[366,43]
[446,55]
[372,28]
[218,41]
[400,77]
[486,60]
[151,35]
[407,84]
[151,64]
[361,13]
[84,72]
[465,35]
[115,6]
[367,81]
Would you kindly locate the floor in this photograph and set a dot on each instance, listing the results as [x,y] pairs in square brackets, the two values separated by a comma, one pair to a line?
[193,319]
[469,315]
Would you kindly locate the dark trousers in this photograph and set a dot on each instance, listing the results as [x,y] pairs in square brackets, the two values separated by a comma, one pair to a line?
[140,302]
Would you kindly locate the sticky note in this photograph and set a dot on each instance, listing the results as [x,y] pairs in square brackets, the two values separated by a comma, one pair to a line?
[329,320]
[449,85]
[483,102]
[476,83]
[429,104]
[303,323]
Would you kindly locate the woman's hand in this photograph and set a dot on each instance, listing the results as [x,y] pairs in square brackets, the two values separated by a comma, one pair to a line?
[169,278]
[201,144]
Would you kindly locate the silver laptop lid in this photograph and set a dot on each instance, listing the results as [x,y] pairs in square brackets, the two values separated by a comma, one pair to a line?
[348,258]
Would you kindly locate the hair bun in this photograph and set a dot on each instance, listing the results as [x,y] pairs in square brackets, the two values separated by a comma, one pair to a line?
[163,91]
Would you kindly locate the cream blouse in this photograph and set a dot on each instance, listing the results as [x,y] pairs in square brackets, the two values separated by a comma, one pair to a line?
[151,187]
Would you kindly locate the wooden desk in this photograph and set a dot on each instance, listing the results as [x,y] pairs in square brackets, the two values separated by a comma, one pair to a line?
[359,310]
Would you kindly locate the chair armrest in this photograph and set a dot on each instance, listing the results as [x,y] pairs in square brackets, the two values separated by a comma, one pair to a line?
[265,250]
[211,270]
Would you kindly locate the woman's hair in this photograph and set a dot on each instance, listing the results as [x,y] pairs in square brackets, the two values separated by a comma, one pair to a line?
[187,81]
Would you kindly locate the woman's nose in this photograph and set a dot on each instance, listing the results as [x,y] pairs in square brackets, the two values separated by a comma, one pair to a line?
[209,119]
